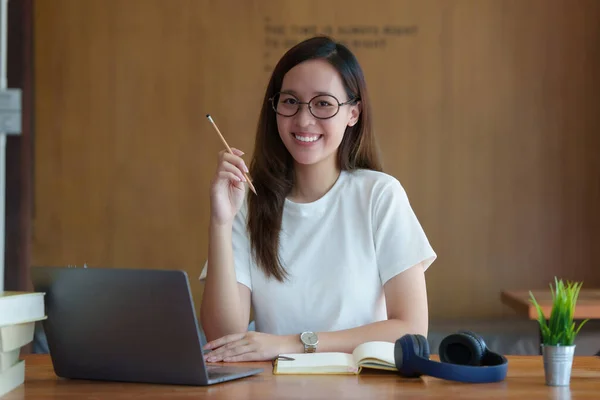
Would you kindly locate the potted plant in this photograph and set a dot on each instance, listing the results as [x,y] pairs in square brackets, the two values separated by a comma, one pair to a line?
[559,332]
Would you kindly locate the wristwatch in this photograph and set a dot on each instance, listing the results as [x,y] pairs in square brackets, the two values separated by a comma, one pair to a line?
[310,341]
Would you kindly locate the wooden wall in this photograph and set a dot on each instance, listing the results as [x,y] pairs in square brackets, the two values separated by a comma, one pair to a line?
[487,111]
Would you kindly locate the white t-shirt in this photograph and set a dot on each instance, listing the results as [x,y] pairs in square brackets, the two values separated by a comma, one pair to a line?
[338,251]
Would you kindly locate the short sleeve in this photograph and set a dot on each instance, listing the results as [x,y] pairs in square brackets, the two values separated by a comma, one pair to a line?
[241,250]
[400,241]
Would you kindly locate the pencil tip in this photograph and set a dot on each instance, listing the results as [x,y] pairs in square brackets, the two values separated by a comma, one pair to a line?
[207,115]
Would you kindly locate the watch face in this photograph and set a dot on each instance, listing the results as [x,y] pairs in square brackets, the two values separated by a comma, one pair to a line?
[309,338]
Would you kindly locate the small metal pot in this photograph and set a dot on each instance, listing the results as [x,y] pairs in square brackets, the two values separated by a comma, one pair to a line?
[558,361]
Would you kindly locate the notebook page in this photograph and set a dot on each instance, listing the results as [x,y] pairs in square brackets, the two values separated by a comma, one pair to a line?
[380,352]
[316,361]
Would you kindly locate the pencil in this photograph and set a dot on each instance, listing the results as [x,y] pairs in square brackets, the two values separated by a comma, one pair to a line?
[230,151]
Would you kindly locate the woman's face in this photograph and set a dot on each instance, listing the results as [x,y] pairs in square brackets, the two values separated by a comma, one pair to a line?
[311,140]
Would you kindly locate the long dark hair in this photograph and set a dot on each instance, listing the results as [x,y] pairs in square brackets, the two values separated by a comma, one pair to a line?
[272,165]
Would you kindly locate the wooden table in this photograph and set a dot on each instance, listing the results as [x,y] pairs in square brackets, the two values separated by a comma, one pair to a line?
[588,303]
[525,379]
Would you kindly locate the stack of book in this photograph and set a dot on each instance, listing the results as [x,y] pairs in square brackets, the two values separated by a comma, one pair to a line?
[19,312]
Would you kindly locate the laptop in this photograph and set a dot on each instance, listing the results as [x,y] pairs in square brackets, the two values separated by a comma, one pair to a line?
[127,325]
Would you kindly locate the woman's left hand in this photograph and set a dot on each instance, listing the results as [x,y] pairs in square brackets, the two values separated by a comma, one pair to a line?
[251,346]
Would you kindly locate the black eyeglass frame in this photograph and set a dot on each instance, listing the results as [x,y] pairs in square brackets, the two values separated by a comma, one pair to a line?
[272,100]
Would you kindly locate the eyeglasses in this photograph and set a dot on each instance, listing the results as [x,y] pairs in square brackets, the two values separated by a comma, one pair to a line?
[322,106]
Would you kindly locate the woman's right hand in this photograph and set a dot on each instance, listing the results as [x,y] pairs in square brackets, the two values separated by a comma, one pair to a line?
[228,187]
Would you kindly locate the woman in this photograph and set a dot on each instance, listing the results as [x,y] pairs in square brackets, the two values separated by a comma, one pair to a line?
[329,253]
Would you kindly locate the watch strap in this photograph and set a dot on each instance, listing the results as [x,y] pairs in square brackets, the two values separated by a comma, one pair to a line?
[310,348]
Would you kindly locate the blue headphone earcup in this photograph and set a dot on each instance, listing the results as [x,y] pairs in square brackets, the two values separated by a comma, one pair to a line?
[463,348]
[423,346]
[480,345]
[407,347]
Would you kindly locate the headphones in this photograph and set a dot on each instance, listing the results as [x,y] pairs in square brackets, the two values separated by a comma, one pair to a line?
[464,358]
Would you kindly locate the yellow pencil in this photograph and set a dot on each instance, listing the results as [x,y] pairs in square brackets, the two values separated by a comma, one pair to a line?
[231,152]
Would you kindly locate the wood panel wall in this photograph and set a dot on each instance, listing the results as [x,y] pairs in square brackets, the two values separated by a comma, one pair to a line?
[487,111]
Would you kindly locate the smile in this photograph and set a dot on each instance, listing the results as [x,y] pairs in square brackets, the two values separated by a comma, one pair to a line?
[307,138]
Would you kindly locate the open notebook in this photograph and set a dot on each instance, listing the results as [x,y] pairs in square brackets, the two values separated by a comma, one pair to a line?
[375,355]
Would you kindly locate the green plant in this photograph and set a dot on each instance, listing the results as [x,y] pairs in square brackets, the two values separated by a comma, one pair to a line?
[560,329]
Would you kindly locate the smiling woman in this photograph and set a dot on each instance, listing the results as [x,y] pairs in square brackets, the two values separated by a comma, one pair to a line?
[329,253]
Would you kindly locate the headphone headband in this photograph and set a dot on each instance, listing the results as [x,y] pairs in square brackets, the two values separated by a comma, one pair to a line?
[461,373]
[464,358]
